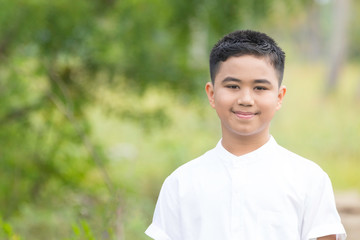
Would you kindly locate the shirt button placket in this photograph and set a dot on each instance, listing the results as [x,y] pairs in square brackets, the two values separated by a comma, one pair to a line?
[238,178]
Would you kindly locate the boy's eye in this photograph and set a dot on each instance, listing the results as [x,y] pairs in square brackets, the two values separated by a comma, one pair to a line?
[232,86]
[260,88]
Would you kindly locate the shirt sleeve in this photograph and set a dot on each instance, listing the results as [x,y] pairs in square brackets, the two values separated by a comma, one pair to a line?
[321,217]
[166,219]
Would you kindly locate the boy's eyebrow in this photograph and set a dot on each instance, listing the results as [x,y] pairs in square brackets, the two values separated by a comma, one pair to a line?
[231,79]
[264,81]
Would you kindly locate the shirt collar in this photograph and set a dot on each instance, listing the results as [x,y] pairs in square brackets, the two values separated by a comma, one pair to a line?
[231,160]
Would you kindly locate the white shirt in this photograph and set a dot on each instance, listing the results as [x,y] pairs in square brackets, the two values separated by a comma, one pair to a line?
[270,193]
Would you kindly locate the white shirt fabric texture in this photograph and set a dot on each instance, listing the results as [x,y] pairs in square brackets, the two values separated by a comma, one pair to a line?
[270,193]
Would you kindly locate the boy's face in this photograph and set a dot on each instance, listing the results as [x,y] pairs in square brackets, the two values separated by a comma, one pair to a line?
[245,96]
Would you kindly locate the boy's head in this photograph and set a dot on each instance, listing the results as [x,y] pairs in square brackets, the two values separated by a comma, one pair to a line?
[246,71]
[247,42]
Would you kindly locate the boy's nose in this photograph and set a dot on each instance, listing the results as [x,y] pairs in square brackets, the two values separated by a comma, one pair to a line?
[245,98]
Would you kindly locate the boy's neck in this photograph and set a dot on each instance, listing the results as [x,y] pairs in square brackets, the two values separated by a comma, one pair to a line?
[241,145]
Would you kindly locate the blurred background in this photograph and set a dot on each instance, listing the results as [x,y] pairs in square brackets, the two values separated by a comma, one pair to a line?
[100,100]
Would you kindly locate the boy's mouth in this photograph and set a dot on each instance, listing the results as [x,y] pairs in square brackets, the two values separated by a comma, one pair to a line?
[244,115]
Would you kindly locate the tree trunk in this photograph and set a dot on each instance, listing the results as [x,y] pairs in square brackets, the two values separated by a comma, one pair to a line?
[339,42]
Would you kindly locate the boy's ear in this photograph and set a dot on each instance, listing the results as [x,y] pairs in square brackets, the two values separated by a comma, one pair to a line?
[209,88]
[281,94]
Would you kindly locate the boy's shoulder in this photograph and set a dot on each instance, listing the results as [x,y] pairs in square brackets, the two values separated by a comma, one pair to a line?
[298,164]
[204,162]
[295,158]
[187,175]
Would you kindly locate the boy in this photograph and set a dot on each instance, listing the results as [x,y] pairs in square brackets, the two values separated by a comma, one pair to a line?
[247,187]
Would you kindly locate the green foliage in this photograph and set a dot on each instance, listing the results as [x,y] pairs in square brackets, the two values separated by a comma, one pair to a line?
[7,232]
[56,55]
[82,231]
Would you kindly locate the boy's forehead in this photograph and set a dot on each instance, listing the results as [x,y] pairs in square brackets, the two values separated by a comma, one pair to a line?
[223,65]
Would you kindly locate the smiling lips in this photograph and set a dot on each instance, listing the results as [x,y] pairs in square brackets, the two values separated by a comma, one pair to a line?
[244,115]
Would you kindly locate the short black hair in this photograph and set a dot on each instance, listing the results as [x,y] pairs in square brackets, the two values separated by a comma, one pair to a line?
[247,42]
